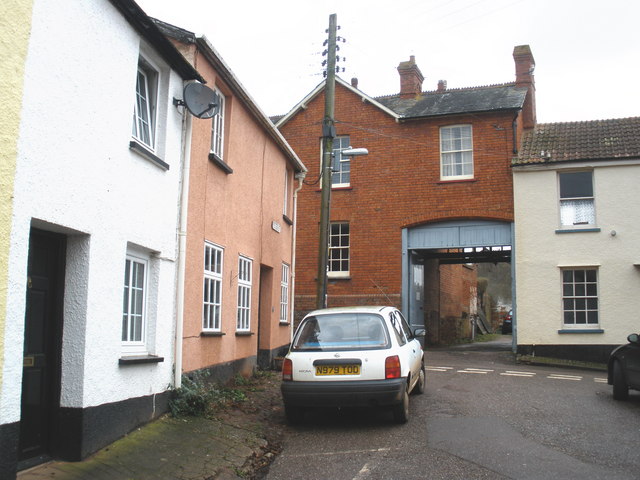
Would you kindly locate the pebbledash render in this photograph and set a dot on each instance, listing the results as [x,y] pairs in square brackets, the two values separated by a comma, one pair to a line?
[89,324]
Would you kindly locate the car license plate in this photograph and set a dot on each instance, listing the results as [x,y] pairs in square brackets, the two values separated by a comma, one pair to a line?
[337,370]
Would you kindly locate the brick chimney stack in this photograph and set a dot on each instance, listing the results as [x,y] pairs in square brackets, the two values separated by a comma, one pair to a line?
[410,78]
[442,86]
[525,65]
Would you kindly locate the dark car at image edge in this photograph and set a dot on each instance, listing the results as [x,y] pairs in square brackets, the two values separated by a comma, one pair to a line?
[623,370]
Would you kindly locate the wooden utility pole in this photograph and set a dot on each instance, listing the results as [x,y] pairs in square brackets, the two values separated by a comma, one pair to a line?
[328,134]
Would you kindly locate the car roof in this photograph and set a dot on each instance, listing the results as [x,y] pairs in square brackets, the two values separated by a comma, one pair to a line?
[355,309]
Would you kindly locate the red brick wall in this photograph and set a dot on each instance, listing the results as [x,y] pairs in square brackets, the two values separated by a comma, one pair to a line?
[455,296]
[396,186]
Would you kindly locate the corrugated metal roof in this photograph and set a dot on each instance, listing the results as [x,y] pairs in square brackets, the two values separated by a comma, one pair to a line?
[457,101]
[612,139]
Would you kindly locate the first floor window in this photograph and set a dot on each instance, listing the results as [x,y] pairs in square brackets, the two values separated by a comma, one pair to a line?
[134,299]
[339,250]
[244,294]
[456,152]
[580,297]
[144,108]
[212,294]
[284,294]
[576,198]
[217,128]
[340,164]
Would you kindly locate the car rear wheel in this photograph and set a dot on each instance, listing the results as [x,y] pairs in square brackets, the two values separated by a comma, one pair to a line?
[401,410]
[620,388]
[294,415]
[419,387]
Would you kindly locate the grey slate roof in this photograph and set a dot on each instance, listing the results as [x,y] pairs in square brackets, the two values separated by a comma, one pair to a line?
[457,101]
[573,141]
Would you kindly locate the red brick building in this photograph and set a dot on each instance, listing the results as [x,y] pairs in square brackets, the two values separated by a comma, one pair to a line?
[435,188]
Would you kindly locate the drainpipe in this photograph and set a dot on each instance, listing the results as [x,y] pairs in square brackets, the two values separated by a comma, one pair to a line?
[514,127]
[300,177]
[182,247]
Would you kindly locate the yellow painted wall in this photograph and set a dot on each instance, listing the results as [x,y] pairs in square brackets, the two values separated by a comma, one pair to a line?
[15,27]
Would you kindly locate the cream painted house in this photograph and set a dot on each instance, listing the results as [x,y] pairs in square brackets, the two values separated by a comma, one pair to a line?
[577,238]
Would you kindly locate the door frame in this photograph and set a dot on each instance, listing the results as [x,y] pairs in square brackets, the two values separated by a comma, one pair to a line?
[55,260]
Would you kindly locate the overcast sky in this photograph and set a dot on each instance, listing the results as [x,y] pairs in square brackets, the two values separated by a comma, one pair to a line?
[587,52]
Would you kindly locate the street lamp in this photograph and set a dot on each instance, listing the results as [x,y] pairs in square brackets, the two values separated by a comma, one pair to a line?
[325,220]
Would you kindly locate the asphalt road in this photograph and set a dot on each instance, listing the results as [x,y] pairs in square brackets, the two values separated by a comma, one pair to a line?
[481,417]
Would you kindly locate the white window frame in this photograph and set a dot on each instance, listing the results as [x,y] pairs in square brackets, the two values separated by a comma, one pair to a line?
[212,288]
[145,108]
[580,297]
[217,127]
[245,274]
[452,156]
[339,252]
[284,294]
[285,205]
[138,344]
[572,215]
[340,164]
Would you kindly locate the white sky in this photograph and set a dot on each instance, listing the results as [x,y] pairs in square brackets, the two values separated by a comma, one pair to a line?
[587,52]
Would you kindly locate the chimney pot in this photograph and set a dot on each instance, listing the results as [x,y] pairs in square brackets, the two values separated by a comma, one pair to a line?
[354,82]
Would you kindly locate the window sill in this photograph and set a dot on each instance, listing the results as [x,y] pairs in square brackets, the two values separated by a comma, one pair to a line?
[336,189]
[221,164]
[460,180]
[284,324]
[578,230]
[244,334]
[140,359]
[580,330]
[332,278]
[212,334]
[147,154]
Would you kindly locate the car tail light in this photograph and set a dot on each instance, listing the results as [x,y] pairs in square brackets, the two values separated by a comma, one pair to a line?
[287,369]
[392,367]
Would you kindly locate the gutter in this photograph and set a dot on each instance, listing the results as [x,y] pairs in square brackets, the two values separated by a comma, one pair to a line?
[145,26]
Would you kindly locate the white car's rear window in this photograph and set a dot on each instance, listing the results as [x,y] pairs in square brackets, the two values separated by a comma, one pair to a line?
[342,331]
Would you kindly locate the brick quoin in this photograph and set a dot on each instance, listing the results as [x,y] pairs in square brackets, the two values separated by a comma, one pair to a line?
[397,185]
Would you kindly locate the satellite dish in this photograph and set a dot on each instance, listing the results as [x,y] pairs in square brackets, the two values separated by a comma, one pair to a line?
[200,100]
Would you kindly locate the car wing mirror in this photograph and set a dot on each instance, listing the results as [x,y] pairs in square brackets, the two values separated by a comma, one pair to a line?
[633,338]
[419,332]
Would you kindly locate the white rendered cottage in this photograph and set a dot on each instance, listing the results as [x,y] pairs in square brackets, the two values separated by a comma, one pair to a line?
[89,325]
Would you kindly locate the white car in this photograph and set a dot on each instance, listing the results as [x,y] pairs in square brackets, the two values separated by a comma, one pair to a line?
[353,357]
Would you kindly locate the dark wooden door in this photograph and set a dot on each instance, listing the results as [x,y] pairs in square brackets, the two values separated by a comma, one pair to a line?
[42,342]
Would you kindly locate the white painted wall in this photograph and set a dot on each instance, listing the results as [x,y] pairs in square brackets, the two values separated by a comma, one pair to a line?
[540,251]
[76,173]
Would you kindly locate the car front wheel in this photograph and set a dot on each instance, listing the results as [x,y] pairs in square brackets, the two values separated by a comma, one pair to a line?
[620,388]
[401,410]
